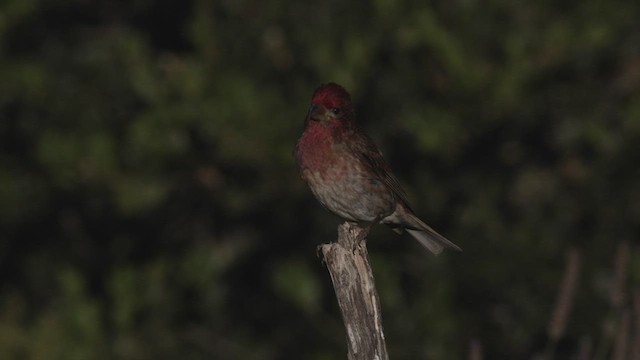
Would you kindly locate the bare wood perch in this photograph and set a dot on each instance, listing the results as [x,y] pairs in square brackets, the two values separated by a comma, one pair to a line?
[348,263]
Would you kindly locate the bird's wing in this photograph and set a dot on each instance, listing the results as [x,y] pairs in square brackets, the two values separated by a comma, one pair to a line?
[369,155]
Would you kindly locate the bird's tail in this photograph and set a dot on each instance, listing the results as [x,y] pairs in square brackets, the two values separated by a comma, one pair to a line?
[428,237]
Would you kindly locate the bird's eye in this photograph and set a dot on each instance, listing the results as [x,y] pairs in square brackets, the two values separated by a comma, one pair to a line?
[335,111]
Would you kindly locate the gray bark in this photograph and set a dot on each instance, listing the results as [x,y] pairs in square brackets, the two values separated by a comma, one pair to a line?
[348,263]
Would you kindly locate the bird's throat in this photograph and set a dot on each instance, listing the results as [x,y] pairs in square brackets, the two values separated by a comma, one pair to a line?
[315,147]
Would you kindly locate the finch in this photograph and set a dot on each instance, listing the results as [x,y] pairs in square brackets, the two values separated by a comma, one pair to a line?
[347,173]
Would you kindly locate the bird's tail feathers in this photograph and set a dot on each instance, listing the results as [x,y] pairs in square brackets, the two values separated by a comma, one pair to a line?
[428,237]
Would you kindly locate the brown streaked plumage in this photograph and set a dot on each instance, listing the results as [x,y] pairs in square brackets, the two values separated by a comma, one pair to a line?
[347,173]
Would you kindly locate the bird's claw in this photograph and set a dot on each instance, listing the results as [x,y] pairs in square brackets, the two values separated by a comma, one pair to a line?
[362,237]
[364,232]
[356,244]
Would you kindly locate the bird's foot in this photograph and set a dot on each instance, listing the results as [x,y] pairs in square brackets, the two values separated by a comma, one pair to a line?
[364,232]
[362,237]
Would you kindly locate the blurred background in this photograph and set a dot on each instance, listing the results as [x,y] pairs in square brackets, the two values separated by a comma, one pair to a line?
[150,207]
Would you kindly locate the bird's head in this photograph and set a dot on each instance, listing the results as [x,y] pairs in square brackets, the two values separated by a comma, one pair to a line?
[331,106]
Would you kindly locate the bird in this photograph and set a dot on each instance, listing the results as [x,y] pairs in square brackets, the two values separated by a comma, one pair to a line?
[348,174]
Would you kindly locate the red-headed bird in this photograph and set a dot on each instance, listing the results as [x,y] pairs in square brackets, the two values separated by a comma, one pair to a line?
[347,173]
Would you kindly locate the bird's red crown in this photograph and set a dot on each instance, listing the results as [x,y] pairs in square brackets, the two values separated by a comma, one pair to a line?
[332,95]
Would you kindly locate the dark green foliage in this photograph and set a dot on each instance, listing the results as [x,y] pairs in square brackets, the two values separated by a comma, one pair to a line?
[150,209]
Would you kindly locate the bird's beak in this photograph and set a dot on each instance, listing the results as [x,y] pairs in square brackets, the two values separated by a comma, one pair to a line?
[317,112]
